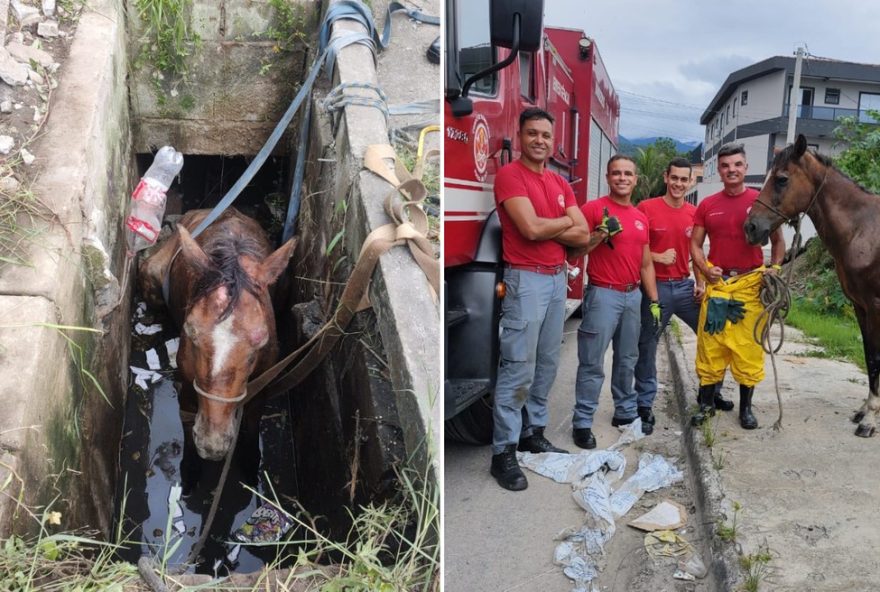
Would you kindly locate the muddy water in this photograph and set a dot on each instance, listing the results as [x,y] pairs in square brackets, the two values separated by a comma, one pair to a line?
[156,457]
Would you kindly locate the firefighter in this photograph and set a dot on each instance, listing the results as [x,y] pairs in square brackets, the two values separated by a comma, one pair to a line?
[539,219]
[619,264]
[731,305]
[671,222]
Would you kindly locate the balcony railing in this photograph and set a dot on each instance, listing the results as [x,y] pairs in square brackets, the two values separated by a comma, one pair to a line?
[830,113]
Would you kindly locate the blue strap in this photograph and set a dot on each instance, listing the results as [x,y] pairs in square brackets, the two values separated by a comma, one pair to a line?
[343,9]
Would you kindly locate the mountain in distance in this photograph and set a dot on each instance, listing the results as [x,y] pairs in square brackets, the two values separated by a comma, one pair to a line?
[628,146]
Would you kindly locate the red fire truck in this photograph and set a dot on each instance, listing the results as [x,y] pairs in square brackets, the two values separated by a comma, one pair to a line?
[500,60]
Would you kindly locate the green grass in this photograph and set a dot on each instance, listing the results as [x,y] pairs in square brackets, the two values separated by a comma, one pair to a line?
[757,568]
[838,336]
[728,532]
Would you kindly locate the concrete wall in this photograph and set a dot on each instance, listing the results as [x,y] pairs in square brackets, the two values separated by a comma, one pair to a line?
[56,431]
[236,86]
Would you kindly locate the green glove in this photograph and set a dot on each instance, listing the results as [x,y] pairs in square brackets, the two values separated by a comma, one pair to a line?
[610,225]
[656,314]
[716,315]
[736,310]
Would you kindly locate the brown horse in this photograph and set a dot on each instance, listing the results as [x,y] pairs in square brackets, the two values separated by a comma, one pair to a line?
[219,296]
[846,217]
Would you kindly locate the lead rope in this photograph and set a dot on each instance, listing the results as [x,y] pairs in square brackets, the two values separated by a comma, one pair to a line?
[775,296]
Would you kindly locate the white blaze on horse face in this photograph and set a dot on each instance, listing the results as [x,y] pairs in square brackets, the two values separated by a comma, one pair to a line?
[224,340]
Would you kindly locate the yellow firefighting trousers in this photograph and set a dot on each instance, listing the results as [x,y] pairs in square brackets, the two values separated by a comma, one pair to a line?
[735,345]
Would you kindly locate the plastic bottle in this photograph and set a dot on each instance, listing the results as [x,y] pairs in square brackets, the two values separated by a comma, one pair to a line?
[147,204]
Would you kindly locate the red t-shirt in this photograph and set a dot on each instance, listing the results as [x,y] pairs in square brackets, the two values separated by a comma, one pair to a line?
[723,217]
[623,263]
[671,228]
[550,195]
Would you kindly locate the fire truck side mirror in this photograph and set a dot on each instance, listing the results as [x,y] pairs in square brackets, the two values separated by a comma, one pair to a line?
[503,27]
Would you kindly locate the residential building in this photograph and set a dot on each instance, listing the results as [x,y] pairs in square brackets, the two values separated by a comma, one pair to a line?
[751,108]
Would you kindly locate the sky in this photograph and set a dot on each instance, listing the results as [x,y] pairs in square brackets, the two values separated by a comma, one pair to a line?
[667,59]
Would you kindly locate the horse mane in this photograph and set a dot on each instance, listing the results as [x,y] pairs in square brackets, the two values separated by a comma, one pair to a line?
[224,252]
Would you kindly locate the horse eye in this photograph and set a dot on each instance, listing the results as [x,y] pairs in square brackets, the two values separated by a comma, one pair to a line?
[781,181]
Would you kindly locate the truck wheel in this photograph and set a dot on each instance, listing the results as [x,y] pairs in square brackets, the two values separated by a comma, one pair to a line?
[473,425]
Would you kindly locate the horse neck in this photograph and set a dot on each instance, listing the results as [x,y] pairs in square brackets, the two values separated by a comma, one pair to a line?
[833,213]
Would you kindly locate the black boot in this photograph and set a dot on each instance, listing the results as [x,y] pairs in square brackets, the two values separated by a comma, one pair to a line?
[707,405]
[648,420]
[721,403]
[538,443]
[746,417]
[506,470]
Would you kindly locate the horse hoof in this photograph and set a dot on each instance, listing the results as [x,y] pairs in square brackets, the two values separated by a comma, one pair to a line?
[864,431]
[857,417]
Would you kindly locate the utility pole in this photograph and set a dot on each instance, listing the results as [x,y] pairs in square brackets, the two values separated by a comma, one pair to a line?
[795,96]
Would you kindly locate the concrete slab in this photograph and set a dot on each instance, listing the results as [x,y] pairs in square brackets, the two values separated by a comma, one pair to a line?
[808,491]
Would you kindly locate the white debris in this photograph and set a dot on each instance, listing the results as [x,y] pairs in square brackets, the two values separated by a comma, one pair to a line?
[27,157]
[141,376]
[49,7]
[36,78]
[629,434]
[172,345]
[12,72]
[6,144]
[153,359]
[48,29]
[25,53]
[9,185]
[142,329]
[140,310]
[24,14]
[572,468]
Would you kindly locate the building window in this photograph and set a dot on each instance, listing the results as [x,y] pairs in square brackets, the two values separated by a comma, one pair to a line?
[832,96]
[734,108]
[744,98]
[868,101]
[727,116]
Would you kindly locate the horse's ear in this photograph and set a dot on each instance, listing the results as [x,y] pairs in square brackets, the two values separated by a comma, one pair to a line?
[191,252]
[275,263]
[800,146]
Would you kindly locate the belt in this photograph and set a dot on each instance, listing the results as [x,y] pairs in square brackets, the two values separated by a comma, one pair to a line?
[542,269]
[617,287]
[736,272]
[675,279]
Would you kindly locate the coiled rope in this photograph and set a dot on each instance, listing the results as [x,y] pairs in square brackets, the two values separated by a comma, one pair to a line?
[775,296]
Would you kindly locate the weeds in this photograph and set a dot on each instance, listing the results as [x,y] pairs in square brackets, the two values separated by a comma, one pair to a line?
[167,37]
[757,568]
[718,459]
[728,533]
[709,429]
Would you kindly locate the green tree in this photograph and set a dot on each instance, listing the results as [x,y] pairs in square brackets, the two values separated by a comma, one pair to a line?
[651,161]
[861,159]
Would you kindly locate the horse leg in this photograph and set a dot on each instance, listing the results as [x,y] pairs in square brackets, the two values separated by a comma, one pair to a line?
[866,416]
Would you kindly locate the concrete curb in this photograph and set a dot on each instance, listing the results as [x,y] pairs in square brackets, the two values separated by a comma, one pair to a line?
[53,419]
[409,320]
[721,558]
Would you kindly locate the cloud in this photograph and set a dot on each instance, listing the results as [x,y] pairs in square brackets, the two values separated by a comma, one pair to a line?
[714,70]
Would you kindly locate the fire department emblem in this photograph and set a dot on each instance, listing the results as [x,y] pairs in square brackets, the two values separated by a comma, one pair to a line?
[689,231]
[561,199]
[639,226]
[480,134]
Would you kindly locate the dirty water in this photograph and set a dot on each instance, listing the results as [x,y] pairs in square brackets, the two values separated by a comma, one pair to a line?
[155,458]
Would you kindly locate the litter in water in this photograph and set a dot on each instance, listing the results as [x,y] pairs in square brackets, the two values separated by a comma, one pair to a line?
[266,525]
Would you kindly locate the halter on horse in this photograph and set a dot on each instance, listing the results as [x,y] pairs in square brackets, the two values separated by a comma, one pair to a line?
[846,217]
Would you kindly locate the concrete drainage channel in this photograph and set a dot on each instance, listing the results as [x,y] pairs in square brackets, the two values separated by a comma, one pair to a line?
[347,428]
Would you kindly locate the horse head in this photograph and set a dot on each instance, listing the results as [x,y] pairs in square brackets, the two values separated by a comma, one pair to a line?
[228,329]
[791,187]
